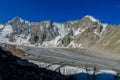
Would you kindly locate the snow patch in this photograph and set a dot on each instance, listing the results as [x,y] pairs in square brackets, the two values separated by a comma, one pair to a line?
[41,27]
[107,71]
[61,29]
[72,44]
[21,20]
[21,40]
[95,31]
[104,26]
[1,26]
[52,43]
[78,31]
[73,22]
[91,18]
[7,30]
[27,22]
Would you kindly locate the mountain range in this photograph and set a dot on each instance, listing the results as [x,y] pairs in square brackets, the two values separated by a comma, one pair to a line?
[85,33]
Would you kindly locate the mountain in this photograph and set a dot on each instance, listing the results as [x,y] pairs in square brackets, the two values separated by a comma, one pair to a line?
[86,33]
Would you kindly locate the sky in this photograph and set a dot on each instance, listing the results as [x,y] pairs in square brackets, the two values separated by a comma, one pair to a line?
[108,11]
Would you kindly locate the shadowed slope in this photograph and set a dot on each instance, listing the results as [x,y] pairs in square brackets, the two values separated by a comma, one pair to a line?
[15,68]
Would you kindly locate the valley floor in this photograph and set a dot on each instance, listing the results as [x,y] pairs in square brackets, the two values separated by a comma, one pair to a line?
[63,56]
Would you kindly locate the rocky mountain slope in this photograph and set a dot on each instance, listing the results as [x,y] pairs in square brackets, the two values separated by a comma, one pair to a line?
[85,33]
[15,68]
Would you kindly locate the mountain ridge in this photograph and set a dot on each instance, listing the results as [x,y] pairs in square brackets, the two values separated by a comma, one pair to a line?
[22,19]
[86,33]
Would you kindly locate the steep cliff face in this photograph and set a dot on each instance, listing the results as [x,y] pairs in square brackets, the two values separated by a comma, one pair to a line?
[85,33]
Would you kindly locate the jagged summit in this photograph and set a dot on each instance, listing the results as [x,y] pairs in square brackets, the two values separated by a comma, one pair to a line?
[18,19]
[91,18]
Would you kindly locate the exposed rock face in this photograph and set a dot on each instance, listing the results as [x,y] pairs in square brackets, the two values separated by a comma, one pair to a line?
[42,31]
[85,33]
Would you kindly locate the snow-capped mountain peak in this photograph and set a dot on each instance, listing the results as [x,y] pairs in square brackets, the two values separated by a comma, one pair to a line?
[18,20]
[92,18]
